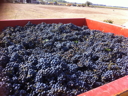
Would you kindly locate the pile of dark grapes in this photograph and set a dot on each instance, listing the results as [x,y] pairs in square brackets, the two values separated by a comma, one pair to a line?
[59,59]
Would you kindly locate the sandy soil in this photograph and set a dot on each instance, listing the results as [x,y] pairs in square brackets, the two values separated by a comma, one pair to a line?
[32,11]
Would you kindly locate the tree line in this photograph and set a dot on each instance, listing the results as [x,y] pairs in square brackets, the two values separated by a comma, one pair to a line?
[87,3]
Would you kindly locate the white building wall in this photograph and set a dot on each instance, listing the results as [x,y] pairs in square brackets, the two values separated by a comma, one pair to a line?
[24,1]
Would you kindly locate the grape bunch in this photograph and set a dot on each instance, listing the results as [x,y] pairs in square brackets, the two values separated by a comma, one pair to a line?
[59,59]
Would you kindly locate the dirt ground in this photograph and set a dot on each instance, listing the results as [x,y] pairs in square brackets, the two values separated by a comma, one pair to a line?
[33,11]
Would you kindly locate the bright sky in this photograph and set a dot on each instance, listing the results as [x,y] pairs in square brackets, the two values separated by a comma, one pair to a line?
[106,2]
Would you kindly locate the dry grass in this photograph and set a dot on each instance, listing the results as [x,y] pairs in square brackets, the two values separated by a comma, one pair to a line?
[32,11]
